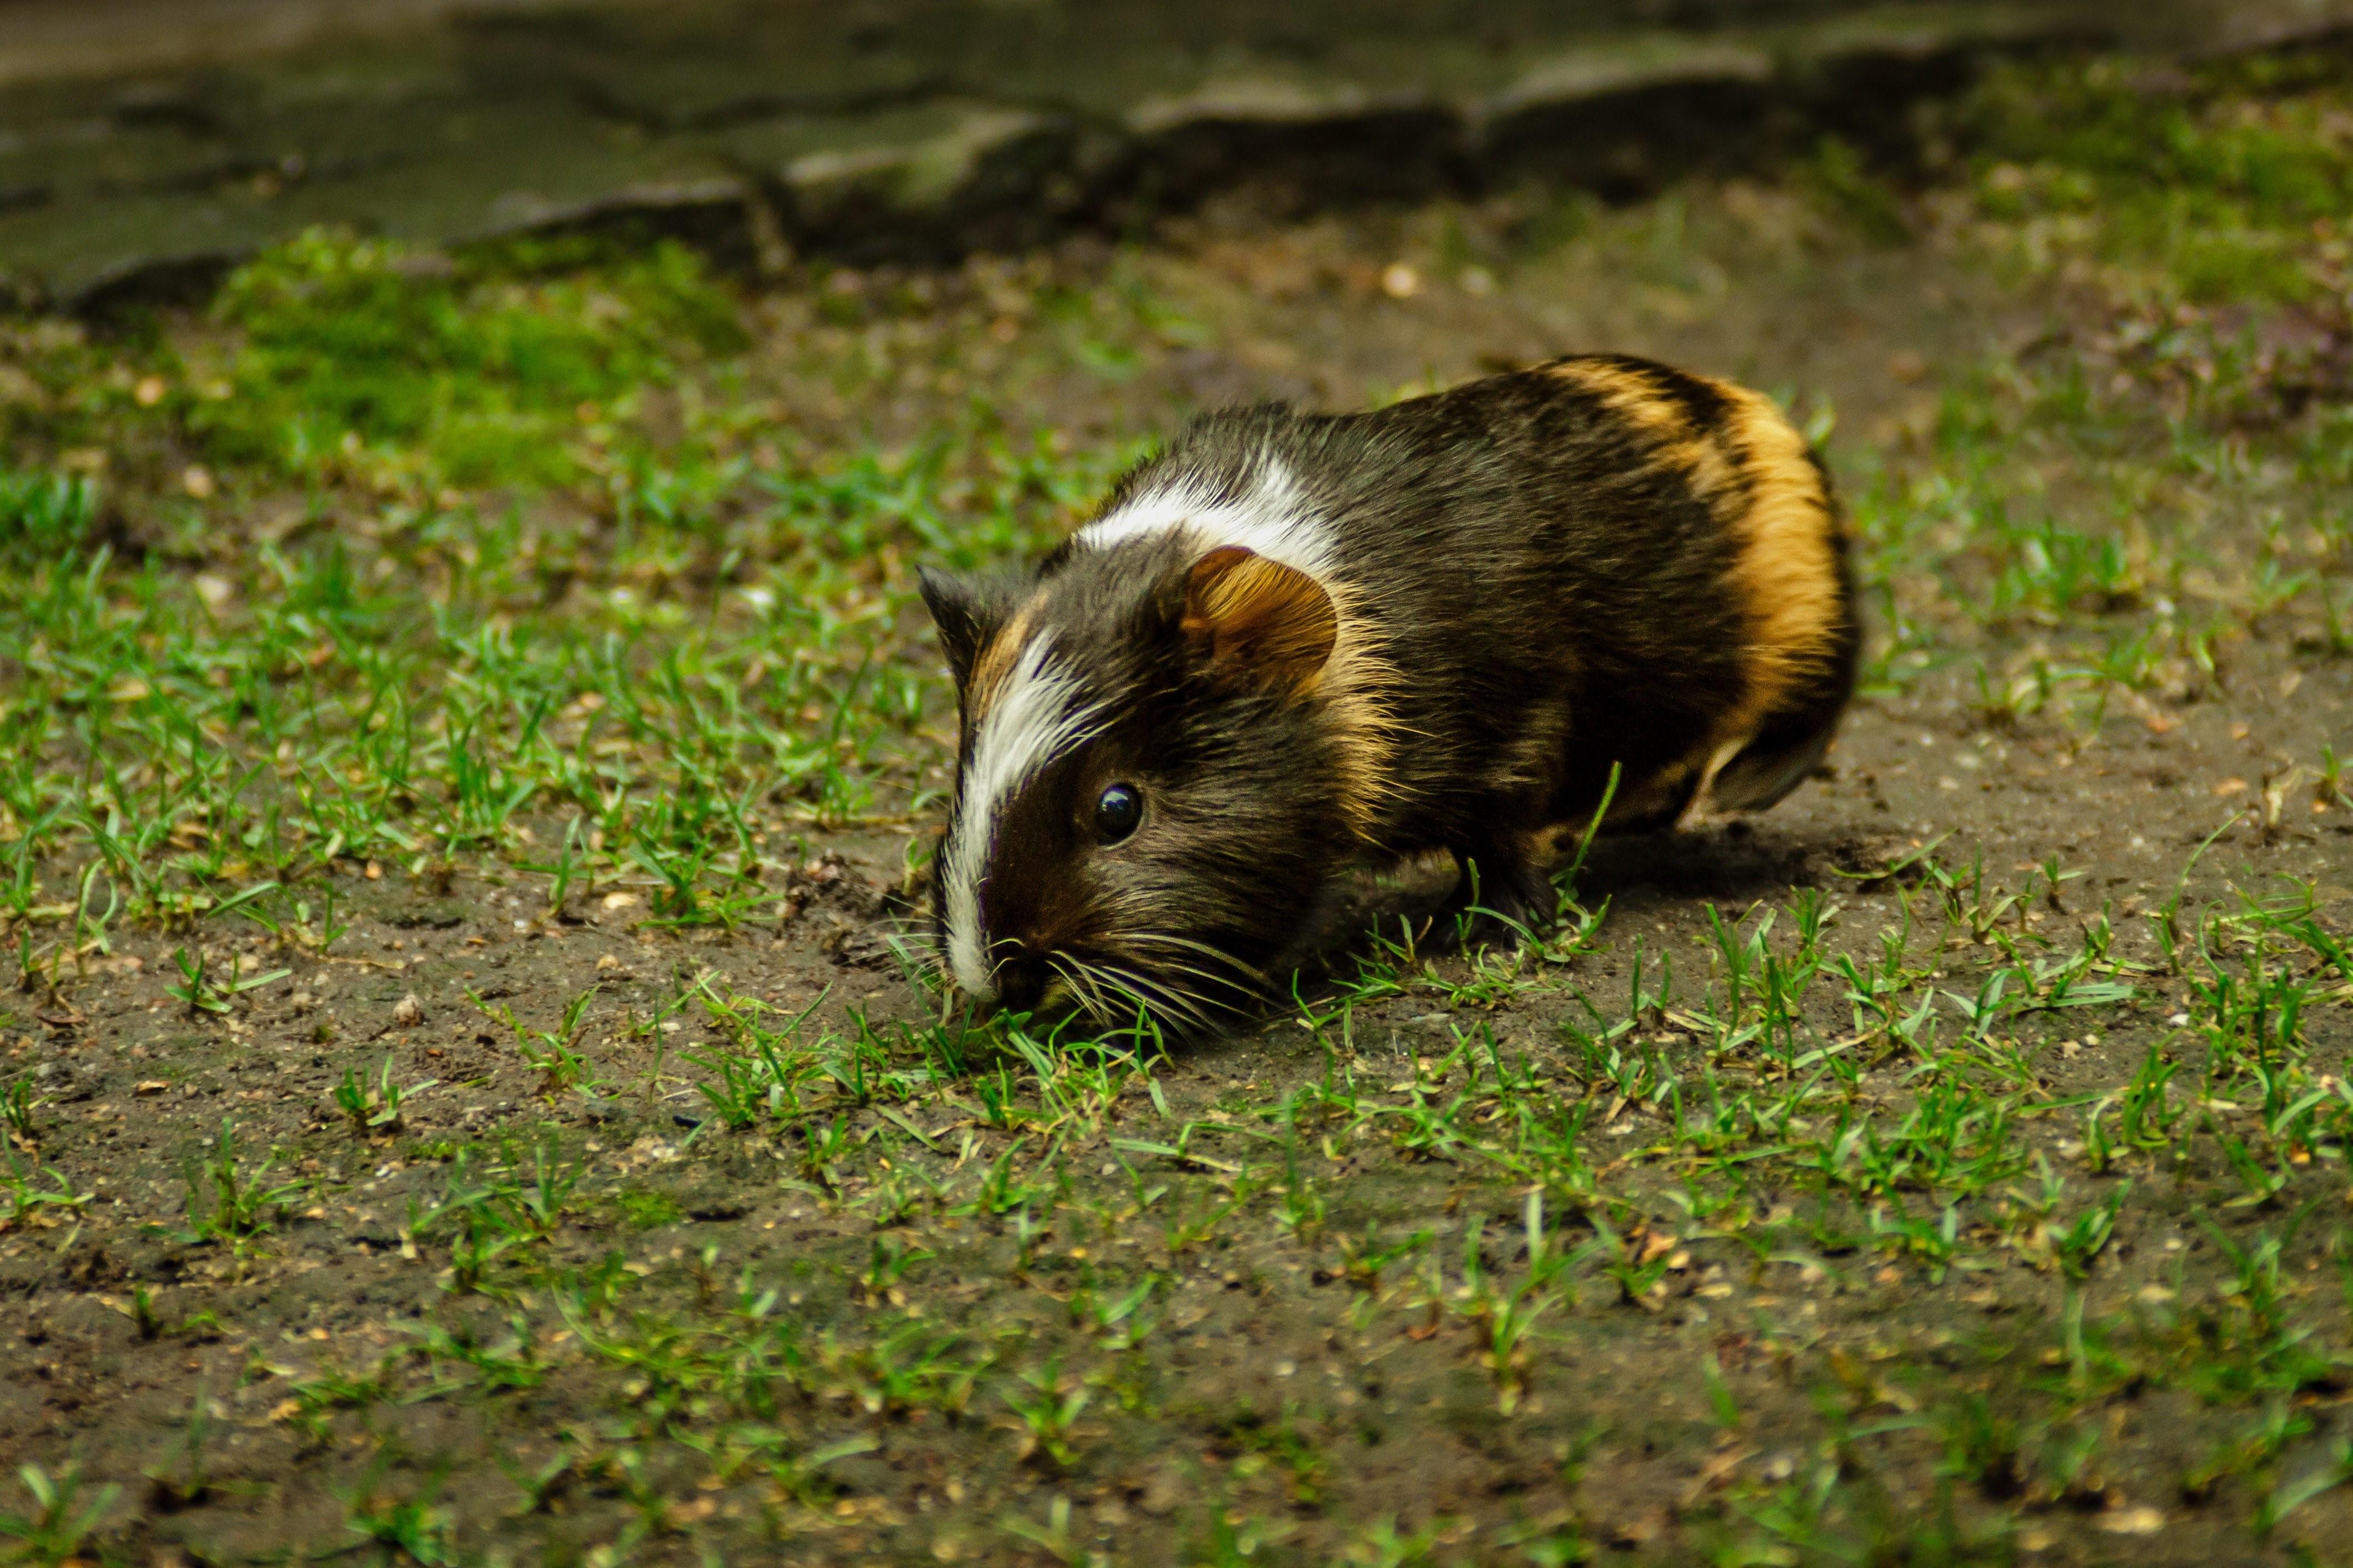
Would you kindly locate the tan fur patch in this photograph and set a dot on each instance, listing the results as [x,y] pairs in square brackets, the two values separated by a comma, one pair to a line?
[1756,470]
[1677,443]
[1354,691]
[1788,573]
[1260,621]
[1353,688]
[1529,759]
[995,663]
[1700,809]
[1629,393]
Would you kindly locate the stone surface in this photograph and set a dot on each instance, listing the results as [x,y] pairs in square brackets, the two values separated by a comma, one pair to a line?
[144,146]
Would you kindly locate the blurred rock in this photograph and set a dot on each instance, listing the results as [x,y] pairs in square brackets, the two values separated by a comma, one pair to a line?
[146,145]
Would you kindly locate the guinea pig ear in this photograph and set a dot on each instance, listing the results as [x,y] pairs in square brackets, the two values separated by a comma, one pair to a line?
[1257,621]
[965,615]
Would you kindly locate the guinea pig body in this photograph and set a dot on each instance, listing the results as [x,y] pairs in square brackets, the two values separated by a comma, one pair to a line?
[1292,644]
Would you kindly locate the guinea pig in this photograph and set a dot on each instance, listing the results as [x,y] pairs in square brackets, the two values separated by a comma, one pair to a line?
[1292,644]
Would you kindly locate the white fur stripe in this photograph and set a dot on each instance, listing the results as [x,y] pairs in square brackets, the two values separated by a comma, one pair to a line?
[1271,520]
[1037,716]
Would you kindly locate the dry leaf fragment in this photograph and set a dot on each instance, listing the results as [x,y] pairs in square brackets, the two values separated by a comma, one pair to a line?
[2140,1520]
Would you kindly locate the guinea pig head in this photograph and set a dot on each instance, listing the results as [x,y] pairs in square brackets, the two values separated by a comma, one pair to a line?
[1145,809]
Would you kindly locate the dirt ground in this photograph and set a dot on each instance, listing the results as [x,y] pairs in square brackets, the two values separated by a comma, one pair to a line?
[1947,1166]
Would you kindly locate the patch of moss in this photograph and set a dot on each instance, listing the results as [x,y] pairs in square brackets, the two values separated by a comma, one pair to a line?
[646,1211]
[2214,178]
[343,341]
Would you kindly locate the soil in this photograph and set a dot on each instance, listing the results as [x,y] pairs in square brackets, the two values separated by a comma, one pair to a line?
[710,1356]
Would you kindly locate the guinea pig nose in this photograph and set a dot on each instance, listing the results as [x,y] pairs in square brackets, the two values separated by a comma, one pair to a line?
[1021,977]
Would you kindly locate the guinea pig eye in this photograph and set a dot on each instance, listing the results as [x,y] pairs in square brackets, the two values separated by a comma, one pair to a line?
[1117,812]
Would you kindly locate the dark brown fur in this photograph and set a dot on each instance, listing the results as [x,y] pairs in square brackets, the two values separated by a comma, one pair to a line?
[1529,580]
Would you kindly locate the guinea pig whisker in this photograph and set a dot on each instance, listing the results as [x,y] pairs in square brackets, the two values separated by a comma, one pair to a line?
[1211,976]
[1123,1009]
[1163,938]
[1150,970]
[1122,985]
[919,949]
[1158,995]
[1107,985]
[1227,998]
[1083,980]
[1171,939]
[1234,991]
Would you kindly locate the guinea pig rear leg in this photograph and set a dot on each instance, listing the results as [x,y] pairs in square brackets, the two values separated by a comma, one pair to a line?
[1501,891]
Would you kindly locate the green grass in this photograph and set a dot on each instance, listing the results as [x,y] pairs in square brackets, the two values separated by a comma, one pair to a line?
[204,749]
[1974,1168]
[718,653]
[1757,1145]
